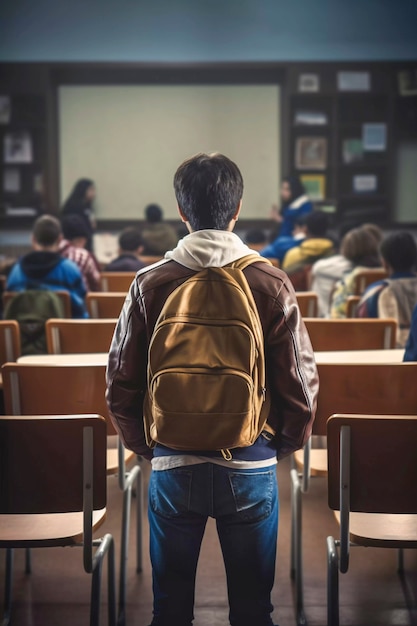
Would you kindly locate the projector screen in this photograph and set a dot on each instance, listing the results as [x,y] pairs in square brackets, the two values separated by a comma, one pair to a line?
[130,140]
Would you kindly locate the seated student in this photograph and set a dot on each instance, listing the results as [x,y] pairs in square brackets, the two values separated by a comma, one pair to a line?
[158,236]
[326,272]
[295,205]
[130,248]
[255,239]
[395,296]
[360,247]
[410,353]
[315,245]
[72,247]
[45,268]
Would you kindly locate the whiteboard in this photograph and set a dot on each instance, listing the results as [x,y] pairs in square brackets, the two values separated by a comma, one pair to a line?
[130,140]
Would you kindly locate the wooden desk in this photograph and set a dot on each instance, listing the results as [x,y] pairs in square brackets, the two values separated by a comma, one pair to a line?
[93,358]
[339,356]
[360,356]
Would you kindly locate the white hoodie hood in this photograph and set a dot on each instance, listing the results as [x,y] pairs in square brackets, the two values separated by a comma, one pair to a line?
[209,248]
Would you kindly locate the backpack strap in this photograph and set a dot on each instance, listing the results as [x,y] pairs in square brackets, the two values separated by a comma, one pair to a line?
[244,261]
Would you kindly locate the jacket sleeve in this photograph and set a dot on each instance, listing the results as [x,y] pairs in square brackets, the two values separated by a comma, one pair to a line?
[292,375]
[126,374]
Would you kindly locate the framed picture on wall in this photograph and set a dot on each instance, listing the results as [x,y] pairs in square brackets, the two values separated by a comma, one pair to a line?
[407,82]
[311,153]
[315,186]
[308,82]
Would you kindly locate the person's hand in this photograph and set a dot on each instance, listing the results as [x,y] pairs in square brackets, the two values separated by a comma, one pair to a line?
[275,214]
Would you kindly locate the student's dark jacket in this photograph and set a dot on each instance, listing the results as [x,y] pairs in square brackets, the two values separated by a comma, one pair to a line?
[291,369]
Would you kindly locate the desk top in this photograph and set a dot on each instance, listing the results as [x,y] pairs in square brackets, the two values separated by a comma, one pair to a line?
[338,356]
[93,358]
[360,356]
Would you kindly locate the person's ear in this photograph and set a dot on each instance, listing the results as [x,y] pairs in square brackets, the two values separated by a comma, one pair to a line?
[182,216]
[236,215]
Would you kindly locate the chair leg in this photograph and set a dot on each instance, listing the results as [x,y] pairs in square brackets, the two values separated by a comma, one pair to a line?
[28,561]
[332,583]
[8,587]
[134,475]
[400,562]
[296,546]
[105,546]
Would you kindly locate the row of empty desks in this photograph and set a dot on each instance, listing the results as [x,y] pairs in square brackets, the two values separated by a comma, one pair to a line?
[340,356]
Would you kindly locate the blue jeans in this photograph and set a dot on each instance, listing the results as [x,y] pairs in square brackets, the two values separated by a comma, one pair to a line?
[245,505]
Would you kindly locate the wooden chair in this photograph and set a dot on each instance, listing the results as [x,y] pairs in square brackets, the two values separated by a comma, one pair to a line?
[351,334]
[372,482]
[31,389]
[77,336]
[105,305]
[308,302]
[55,495]
[64,295]
[364,278]
[9,343]
[351,305]
[344,388]
[149,260]
[116,281]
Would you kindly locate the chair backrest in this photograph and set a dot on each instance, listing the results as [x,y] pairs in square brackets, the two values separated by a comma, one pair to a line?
[365,388]
[9,341]
[64,295]
[79,335]
[364,278]
[105,305]
[383,468]
[351,334]
[308,302]
[38,477]
[351,305]
[33,389]
[116,281]
[149,259]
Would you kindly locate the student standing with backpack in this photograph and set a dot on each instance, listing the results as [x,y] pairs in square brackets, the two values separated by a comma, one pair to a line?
[225,394]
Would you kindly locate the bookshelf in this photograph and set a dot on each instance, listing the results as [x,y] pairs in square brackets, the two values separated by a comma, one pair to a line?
[357,114]
[23,142]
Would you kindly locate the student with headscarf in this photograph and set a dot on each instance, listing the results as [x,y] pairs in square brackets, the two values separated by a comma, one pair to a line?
[295,204]
[80,202]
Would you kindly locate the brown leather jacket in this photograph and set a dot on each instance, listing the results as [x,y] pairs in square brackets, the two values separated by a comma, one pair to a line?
[291,369]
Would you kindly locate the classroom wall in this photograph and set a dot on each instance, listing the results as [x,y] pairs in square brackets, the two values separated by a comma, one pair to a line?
[216,30]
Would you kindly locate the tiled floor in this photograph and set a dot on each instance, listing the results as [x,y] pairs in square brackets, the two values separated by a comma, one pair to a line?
[57,591]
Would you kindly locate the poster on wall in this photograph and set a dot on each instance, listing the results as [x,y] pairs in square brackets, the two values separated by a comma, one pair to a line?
[5,109]
[308,82]
[11,180]
[311,153]
[374,137]
[17,147]
[315,186]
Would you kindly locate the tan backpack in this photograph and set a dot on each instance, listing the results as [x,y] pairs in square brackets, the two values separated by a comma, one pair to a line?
[206,365]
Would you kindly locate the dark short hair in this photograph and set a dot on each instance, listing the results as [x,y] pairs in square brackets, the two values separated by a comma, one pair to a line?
[255,235]
[130,239]
[74,226]
[153,213]
[317,223]
[399,250]
[208,188]
[46,230]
